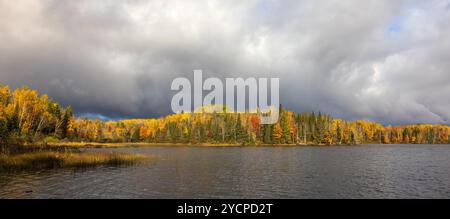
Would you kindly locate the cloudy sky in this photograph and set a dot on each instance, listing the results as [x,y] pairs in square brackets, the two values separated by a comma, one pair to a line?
[384,60]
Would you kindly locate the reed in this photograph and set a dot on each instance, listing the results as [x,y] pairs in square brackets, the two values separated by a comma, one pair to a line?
[54,159]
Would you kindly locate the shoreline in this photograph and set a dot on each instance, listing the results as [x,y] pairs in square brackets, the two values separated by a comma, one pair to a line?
[39,160]
[112,145]
[206,145]
[210,145]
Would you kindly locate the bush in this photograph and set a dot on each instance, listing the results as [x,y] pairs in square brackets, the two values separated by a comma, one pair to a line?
[50,139]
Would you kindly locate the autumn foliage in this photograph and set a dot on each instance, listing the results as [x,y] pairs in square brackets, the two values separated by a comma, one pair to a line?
[26,115]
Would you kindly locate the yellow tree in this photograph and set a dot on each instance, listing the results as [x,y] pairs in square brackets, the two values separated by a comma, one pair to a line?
[42,115]
[277,133]
[5,95]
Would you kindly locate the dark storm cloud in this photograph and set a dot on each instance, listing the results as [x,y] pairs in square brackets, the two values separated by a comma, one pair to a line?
[380,60]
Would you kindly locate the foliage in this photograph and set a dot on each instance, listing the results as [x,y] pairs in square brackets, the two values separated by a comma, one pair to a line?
[26,115]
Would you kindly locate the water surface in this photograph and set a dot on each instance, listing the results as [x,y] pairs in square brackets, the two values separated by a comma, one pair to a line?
[369,171]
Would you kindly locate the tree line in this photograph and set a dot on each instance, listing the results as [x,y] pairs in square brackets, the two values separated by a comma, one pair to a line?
[27,116]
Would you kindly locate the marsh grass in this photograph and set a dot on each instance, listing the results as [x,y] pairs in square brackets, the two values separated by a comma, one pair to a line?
[55,159]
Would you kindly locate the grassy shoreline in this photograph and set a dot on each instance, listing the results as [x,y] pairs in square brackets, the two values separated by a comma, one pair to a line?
[20,157]
[56,159]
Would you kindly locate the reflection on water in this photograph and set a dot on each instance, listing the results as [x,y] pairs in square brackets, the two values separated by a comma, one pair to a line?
[371,171]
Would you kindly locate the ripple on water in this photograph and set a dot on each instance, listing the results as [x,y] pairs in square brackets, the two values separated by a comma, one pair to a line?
[371,171]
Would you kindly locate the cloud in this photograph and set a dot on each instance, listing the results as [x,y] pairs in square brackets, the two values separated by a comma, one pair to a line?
[376,59]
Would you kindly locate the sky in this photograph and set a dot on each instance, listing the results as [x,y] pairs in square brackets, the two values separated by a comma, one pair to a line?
[381,60]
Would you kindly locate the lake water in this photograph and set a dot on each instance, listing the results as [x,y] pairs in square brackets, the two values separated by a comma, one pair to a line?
[369,171]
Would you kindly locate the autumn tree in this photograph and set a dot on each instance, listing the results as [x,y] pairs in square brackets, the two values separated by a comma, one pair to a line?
[277,133]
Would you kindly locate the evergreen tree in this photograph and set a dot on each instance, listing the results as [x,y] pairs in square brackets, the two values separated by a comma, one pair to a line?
[352,138]
[312,127]
[251,135]
[13,121]
[267,133]
[319,132]
[339,134]
[65,122]
[286,131]
[241,134]
[230,131]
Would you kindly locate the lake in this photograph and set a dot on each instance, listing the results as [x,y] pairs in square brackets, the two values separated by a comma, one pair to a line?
[368,171]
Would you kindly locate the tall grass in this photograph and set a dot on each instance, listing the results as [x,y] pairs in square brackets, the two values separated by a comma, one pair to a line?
[55,159]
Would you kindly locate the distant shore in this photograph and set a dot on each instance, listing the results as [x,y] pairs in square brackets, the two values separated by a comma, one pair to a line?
[147,144]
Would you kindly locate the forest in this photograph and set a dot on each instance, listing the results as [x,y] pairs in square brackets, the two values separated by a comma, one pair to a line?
[27,116]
